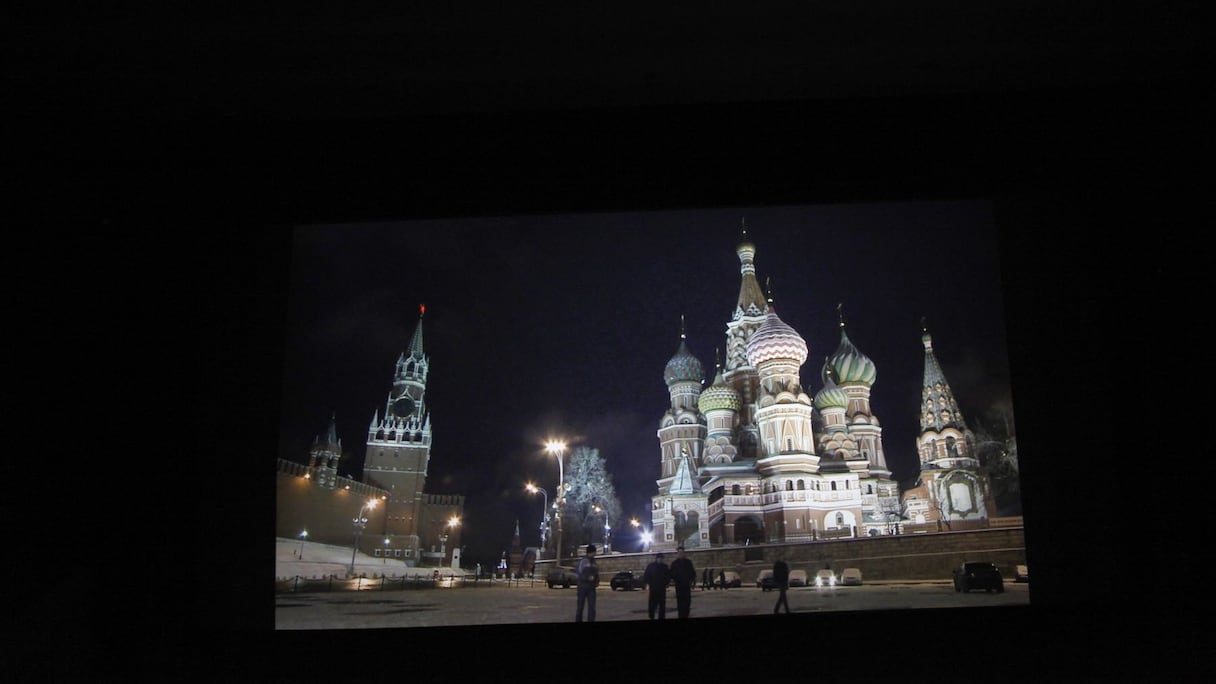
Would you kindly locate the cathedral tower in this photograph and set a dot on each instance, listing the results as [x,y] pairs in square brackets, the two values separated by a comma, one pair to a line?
[678,512]
[952,489]
[750,308]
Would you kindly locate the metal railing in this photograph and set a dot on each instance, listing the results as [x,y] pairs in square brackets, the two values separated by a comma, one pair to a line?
[302,585]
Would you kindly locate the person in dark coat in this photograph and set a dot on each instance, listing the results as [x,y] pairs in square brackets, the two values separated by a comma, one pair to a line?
[684,575]
[722,578]
[781,577]
[657,577]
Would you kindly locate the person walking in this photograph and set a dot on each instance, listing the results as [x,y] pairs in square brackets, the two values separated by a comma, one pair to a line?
[705,579]
[781,577]
[657,577]
[684,575]
[722,578]
[588,579]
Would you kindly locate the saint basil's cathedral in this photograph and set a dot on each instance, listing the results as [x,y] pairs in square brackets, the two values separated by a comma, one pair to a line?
[754,457]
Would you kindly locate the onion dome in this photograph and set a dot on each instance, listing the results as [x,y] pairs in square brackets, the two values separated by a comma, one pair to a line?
[848,364]
[831,396]
[774,339]
[719,396]
[683,367]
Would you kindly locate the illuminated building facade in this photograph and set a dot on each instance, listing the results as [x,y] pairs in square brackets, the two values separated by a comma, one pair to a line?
[755,457]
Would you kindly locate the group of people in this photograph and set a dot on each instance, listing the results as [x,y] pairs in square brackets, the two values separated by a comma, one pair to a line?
[680,574]
[713,580]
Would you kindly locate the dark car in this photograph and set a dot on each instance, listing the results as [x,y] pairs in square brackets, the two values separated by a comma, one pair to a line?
[766,581]
[561,576]
[626,580]
[978,575]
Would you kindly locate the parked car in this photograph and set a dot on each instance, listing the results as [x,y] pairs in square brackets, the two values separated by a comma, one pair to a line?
[978,575]
[626,580]
[797,578]
[850,577]
[731,579]
[1021,573]
[561,576]
[825,578]
[765,580]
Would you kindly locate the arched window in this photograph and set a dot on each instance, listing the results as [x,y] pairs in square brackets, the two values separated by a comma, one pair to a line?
[840,519]
[734,490]
[789,485]
[833,485]
[801,485]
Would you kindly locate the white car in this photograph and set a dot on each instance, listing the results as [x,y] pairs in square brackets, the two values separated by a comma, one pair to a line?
[825,578]
[797,578]
[850,577]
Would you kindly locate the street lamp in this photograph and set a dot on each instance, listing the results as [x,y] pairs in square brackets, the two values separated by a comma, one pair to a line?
[558,449]
[386,550]
[359,522]
[597,509]
[544,522]
[443,537]
[303,536]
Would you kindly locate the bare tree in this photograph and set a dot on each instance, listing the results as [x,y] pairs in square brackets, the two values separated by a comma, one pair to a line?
[996,448]
[591,500]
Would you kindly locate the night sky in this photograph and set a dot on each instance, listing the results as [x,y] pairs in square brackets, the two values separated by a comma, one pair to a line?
[560,326]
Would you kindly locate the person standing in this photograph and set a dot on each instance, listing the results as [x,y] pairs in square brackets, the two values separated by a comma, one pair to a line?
[781,577]
[705,579]
[684,575]
[722,578]
[657,577]
[588,579]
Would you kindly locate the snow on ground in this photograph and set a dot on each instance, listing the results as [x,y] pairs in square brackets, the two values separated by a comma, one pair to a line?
[323,560]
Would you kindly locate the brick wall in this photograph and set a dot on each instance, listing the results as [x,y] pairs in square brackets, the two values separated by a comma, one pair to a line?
[903,557]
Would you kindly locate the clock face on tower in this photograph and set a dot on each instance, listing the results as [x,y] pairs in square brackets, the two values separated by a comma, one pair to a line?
[403,406]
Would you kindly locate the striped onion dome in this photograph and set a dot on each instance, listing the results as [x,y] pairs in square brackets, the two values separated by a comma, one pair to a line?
[849,365]
[719,396]
[775,340]
[831,396]
[683,367]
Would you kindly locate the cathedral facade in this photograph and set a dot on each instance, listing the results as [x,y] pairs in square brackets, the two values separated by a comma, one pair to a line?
[388,512]
[754,457]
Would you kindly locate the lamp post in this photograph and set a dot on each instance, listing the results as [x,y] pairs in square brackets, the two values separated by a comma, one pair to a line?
[359,522]
[303,536]
[558,449]
[443,537]
[386,550]
[544,521]
[598,509]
